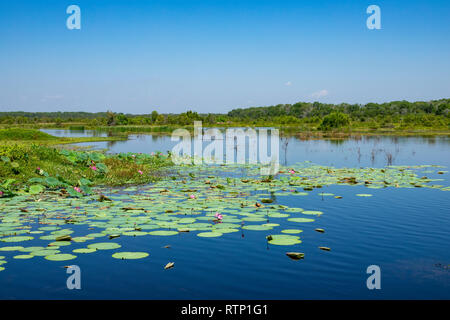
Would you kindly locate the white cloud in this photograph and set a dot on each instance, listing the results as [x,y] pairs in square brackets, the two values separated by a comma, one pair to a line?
[320,94]
[288,83]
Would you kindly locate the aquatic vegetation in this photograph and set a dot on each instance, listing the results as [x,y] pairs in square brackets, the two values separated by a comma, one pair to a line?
[129,255]
[179,204]
[33,169]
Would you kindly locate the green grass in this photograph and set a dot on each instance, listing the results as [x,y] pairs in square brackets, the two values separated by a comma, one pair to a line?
[19,134]
[28,157]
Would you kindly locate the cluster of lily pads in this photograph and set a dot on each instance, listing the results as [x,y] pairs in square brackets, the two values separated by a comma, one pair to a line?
[208,201]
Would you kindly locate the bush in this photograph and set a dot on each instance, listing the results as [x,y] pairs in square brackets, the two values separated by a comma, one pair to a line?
[334,120]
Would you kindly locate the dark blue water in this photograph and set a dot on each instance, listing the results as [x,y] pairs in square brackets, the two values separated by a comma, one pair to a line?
[406,232]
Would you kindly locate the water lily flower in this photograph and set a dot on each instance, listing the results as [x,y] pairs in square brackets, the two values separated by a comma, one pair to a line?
[192,196]
[1,193]
[140,172]
[77,189]
[291,171]
[93,168]
[152,153]
[218,216]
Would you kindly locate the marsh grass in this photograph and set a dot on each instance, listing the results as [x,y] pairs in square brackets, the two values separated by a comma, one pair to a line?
[27,157]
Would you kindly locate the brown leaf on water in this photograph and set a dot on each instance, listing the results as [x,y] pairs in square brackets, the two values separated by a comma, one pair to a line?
[169,265]
[295,255]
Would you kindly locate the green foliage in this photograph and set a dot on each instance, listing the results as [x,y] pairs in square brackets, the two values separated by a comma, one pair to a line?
[33,168]
[334,120]
[14,134]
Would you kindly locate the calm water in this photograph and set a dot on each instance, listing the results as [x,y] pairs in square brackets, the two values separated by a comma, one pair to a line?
[404,231]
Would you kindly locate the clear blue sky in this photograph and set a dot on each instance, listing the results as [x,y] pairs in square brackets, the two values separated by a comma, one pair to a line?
[136,56]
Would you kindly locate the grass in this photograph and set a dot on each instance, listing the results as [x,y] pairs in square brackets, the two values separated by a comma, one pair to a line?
[14,135]
[28,157]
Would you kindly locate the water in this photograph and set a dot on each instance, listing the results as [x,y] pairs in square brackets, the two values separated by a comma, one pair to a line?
[404,231]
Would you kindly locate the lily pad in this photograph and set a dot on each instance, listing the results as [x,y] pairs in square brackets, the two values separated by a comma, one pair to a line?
[292,231]
[300,220]
[129,255]
[163,233]
[104,246]
[23,256]
[211,234]
[84,250]
[17,239]
[60,257]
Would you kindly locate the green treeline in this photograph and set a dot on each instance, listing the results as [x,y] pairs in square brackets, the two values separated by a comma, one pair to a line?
[303,115]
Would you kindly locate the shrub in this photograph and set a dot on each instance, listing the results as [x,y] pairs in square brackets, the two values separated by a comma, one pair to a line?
[334,120]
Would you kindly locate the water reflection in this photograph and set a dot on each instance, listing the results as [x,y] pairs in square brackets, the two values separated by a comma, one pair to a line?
[348,151]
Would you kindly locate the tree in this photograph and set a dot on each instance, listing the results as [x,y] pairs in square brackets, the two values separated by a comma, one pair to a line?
[154,116]
[334,120]
[110,118]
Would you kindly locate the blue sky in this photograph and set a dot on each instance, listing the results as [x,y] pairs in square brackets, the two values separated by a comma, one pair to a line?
[212,56]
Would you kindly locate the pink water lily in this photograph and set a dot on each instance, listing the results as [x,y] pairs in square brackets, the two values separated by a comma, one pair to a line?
[140,172]
[218,216]
[291,171]
[1,193]
[192,196]
[77,189]
[93,168]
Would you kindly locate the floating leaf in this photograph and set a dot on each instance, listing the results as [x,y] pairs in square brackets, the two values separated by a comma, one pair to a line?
[84,250]
[13,248]
[291,231]
[129,255]
[317,213]
[211,234]
[23,256]
[256,227]
[17,239]
[104,246]
[300,220]
[163,233]
[295,255]
[169,265]
[35,189]
[60,257]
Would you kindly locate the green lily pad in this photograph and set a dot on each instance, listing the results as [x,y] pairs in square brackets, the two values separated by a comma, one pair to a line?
[129,255]
[13,248]
[317,213]
[257,227]
[134,233]
[60,257]
[23,256]
[163,233]
[45,252]
[211,234]
[292,231]
[300,220]
[84,250]
[104,246]
[17,239]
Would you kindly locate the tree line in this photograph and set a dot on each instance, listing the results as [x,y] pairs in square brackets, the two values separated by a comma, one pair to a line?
[429,113]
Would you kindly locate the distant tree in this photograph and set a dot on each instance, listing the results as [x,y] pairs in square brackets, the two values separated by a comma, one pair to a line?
[110,118]
[154,116]
[334,120]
